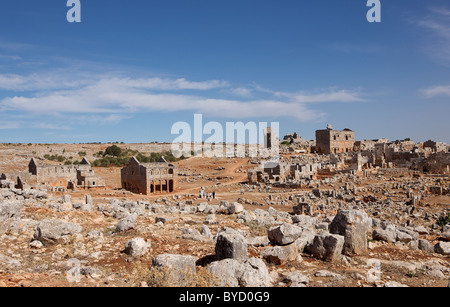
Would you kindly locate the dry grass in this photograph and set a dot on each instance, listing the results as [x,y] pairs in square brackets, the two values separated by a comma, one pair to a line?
[166,277]
[257,229]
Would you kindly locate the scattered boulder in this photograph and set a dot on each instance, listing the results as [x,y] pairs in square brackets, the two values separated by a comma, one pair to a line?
[386,233]
[424,245]
[232,273]
[446,232]
[257,241]
[52,231]
[406,235]
[66,199]
[284,234]
[180,269]
[255,274]
[394,284]
[305,241]
[233,208]
[161,219]
[327,247]
[137,247]
[281,254]
[36,244]
[8,262]
[231,244]
[10,212]
[325,273]
[354,226]
[135,208]
[205,231]
[195,235]
[210,219]
[296,279]
[127,223]
[305,221]
[442,248]
[421,230]
[227,271]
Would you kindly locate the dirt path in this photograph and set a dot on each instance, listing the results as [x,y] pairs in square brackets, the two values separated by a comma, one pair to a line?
[229,171]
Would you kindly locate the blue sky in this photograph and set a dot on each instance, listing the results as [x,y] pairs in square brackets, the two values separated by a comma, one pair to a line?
[131,69]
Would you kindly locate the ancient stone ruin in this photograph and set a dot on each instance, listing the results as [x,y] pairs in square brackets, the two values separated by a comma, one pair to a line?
[54,177]
[149,178]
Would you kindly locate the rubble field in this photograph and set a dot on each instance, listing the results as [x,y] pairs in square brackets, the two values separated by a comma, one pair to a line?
[380,228]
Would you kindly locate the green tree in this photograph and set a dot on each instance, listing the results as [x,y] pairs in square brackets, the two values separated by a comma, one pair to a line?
[113,150]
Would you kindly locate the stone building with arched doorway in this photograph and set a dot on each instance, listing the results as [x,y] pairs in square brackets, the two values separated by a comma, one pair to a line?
[149,178]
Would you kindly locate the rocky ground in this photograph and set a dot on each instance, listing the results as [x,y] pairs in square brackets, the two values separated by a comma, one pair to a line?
[383,229]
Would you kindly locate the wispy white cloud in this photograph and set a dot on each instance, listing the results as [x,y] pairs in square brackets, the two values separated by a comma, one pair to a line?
[40,82]
[107,99]
[441,90]
[437,25]
[50,126]
[10,57]
[7,125]
[14,46]
[62,80]
[170,84]
[331,94]
[241,91]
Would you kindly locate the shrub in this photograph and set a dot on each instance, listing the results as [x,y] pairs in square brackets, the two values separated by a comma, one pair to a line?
[113,150]
[54,158]
[443,220]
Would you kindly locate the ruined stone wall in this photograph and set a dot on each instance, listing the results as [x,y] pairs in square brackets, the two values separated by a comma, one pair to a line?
[149,178]
[323,142]
[342,141]
[87,179]
[305,171]
[161,178]
[134,178]
[56,173]
[334,141]
[438,163]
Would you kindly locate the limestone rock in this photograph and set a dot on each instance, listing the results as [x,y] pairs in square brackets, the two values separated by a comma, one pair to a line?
[305,241]
[327,247]
[231,244]
[424,245]
[257,241]
[406,235]
[354,226]
[10,212]
[180,268]
[446,232]
[284,234]
[52,231]
[296,279]
[281,254]
[127,223]
[304,221]
[386,233]
[442,248]
[137,247]
[249,273]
